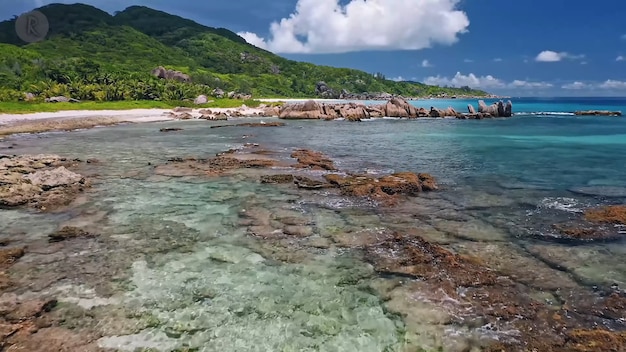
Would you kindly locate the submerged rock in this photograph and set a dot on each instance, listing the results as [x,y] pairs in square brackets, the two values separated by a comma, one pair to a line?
[602,191]
[170,129]
[252,124]
[474,295]
[598,113]
[67,233]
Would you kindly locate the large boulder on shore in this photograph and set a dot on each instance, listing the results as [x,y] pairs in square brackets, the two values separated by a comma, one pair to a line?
[307,110]
[398,107]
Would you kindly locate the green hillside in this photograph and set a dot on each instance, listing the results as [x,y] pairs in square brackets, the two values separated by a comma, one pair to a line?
[92,55]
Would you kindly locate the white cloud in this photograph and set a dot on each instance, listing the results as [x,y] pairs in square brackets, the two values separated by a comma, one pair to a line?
[574,86]
[471,80]
[548,56]
[468,61]
[553,56]
[425,63]
[398,79]
[484,82]
[530,85]
[326,26]
[623,37]
[620,58]
[497,59]
[612,84]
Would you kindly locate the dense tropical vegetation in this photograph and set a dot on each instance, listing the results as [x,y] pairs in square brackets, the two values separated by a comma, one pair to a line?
[92,55]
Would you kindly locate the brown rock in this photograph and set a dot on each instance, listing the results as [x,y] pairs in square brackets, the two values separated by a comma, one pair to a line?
[615,214]
[416,257]
[581,340]
[8,256]
[384,189]
[397,107]
[308,110]
[312,160]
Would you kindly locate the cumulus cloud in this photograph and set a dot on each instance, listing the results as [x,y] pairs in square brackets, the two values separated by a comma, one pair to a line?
[484,82]
[553,56]
[327,26]
[426,63]
[620,58]
[470,80]
[398,79]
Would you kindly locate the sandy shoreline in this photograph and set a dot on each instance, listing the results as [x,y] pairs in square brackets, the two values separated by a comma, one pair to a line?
[131,115]
[81,119]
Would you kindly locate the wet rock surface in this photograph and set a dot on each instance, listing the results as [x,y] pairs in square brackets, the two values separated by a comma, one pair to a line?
[308,159]
[39,181]
[385,189]
[470,290]
[596,224]
[458,284]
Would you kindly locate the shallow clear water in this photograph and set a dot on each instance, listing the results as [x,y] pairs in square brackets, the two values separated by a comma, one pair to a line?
[205,283]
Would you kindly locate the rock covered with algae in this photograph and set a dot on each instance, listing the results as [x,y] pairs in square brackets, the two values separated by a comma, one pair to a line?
[596,224]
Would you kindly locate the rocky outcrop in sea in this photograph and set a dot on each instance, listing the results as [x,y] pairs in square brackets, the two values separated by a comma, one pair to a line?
[395,107]
[39,181]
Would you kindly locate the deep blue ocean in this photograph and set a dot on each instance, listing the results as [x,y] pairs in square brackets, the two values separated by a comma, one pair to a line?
[504,183]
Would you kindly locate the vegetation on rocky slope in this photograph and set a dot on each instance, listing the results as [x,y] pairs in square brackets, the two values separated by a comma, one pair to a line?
[92,55]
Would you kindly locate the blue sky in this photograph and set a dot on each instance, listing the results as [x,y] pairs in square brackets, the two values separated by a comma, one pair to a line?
[519,48]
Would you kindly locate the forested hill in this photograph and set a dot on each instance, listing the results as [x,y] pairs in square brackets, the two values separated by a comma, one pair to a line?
[90,54]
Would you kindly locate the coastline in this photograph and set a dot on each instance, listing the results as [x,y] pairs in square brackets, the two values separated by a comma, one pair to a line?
[80,119]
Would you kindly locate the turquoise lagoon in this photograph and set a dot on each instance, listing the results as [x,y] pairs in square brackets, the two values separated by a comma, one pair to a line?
[174,268]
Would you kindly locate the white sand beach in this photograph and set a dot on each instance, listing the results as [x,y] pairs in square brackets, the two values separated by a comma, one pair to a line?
[133,115]
[80,119]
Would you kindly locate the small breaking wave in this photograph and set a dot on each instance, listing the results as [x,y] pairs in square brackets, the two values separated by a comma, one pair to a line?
[569,205]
